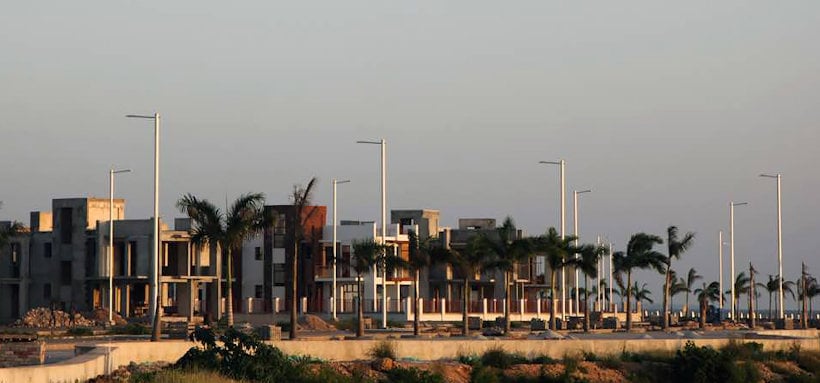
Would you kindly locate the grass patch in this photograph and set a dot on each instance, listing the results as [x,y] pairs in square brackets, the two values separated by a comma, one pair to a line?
[180,376]
[80,331]
[499,358]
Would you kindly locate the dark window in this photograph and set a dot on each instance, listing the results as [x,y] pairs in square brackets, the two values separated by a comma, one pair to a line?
[47,291]
[133,245]
[65,272]
[47,250]
[65,225]
[278,274]
[279,231]
[278,241]
[258,291]
[257,253]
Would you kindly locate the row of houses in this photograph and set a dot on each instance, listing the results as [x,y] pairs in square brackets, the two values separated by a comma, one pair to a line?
[61,260]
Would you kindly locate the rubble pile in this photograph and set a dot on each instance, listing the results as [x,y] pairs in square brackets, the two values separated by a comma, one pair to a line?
[313,323]
[43,317]
[100,317]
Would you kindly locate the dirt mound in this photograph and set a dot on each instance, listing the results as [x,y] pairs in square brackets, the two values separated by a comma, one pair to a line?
[44,317]
[100,317]
[313,323]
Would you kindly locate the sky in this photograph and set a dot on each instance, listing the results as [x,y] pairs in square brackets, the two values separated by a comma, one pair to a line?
[667,111]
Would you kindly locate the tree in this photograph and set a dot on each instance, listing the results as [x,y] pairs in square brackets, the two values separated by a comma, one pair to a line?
[639,255]
[243,219]
[366,254]
[705,295]
[557,252]
[691,277]
[676,247]
[772,286]
[509,251]
[302,198]
[470,261]
[677,287]
[587,262]
[641,293]
[419,252]
[741,287]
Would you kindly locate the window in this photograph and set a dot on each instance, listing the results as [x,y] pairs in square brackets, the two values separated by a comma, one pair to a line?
[258,291]
[279,231]
[257,253]
[278,274]
[47,291]
[65,272]
[47,250]
[65,225]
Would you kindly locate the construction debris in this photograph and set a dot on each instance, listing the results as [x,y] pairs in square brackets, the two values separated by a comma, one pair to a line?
[44,317]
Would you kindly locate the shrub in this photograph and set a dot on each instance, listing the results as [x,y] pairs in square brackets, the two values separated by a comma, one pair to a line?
[383,349]
[743,351]
[411,375]
[481,374]
[469,359]
[80,331]
[498,358]
[131,329]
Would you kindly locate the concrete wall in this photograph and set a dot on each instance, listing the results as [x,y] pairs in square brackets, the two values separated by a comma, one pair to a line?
[100,361]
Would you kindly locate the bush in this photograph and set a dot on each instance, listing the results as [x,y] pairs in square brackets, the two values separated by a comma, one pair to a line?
[498,358]
[80,331]
[383,349]
[743,351]
[412,375]
[704,364]
[131,329]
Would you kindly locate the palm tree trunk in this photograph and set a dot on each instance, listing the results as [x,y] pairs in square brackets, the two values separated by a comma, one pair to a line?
[293,291]
[586,303]
[464,305]
[686,308]
[360,308]
[702,321]
[552,300]
[416,304]
[229,289]
[665,322]
[770,305]
[629,300]
[751,299]
[507,326]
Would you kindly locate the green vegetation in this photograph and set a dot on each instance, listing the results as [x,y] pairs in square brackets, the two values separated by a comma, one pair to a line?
[383,349]
[130,329]
[80,331]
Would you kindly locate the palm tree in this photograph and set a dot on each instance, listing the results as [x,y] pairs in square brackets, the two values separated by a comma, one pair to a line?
[641,294]
[705,295]
[587,262]
[366,254]
[677,287]
[243,219]
[557,253]
[419,252]
[470,261]
[803,287]
[691,277]
[772,286]
[639,255]
[812,290]
[302,198]
[741,287]
[676,246]
[509,251]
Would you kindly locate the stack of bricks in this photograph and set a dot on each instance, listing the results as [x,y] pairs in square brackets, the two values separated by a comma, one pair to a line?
[21,351]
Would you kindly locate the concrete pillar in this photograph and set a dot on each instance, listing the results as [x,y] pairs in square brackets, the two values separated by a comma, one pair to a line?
[304,305]
[484,307]
[443,307]
[185,299]
[521,307]
[421,306]
[538,308]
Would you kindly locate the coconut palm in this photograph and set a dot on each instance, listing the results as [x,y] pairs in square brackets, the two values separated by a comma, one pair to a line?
[301,198]
[705,295]
[509,251]
[587,262]
[639,255]
[557,252]
[470,261]
[676,247]
[419,252]
[741,287]
[641,293]
[677,287]
[243,219]
[691,277]
[772,286]
[366,254]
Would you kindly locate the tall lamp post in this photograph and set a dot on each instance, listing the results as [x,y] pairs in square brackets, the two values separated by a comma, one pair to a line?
[383,145]
[575,194]
[780,313]
[333,295]
[561,180]
[111,173]
[720,273]
[153,279]
[732,251]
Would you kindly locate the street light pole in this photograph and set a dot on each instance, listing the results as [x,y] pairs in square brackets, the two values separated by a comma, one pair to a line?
[111,173]
[780,312]
[720,273]
[732,251]
[575,194]
[383,144]
[153,279]
[333,295]
[562,165]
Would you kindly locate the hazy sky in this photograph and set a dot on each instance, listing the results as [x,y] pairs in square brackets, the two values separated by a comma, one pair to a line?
[666,110]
